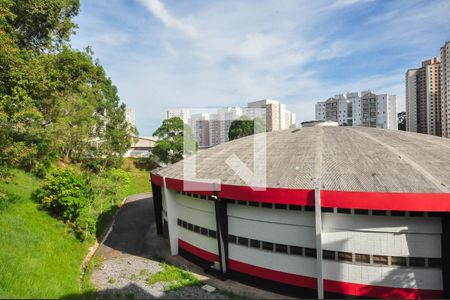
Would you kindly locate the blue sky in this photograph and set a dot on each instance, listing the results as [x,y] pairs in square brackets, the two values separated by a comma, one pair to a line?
[187,53]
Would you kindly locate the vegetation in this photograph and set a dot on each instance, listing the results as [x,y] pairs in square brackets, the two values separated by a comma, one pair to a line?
[245,127]
[402,121]
[56,103]
[173,277]
[40,257]
[175,140]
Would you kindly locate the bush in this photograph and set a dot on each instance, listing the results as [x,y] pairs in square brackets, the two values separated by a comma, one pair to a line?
[6,200]
[64,193]
[86,223]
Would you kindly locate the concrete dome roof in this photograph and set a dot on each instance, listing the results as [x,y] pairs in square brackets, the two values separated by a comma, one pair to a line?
[336,159]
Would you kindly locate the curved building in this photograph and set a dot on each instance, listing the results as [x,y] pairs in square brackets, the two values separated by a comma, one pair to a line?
[344,211]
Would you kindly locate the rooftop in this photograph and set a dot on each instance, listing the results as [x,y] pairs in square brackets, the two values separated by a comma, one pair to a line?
[335,158]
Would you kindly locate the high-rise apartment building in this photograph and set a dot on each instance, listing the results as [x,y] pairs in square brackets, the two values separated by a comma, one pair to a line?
[445,89]
[275,114]
[182,113]
[200,124]
[351,109]
[130,116]
[211,129]
[423,101]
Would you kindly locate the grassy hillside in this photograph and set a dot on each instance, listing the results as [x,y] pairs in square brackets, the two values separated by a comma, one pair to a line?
[140,176]
[39,258]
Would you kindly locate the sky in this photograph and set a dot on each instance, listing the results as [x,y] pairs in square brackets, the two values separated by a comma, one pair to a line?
[207,54]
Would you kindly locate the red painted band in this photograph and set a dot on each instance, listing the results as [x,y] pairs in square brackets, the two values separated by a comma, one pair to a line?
[156,179]
[331,286]
[431,202]
[373,291]
[287,278]
[269,195]
[206,255]
[386,201]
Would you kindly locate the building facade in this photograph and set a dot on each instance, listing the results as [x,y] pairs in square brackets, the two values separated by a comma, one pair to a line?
[364,223]
[130,116]
[182,113]
[211,129]
[367,110]
[445,89]
[423,101]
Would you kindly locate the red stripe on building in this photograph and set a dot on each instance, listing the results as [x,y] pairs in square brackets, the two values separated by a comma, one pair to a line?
[373,291]
[386,201]
[206,255]
[156,179]
[269,195]
[331,286]
[431,202]
[287,278]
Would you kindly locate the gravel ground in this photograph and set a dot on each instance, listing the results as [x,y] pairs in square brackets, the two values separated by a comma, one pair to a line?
[124,275]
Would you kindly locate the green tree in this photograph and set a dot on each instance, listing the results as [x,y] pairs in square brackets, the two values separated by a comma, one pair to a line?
[402,121]
[175,139]
[245,127]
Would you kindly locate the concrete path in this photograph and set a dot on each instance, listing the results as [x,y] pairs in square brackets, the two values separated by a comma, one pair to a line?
[130,255]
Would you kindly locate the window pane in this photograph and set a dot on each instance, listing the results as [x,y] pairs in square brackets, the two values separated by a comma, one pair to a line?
[398,261]
[281,248]
[243,241]
[267,246]
[327,254]
[232,239]
[417,261]
[362,258]
[204,231]
[255,244]
[212,233]
[296,250]
[310,252]
[380,259]
[344,256]
[434,263]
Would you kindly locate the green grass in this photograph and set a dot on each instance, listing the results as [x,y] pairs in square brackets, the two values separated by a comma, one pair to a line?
[140,177]
[173,278]
[39,256]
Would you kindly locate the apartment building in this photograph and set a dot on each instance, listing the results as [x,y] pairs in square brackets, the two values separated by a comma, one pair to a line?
[182,113]
[445,89]
[367,110]
[277,116]
[423,101]
[200,124]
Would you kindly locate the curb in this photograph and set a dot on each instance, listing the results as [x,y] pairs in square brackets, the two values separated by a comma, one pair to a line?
[102,239]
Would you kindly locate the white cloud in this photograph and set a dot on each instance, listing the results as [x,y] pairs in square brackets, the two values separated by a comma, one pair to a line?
[157,8]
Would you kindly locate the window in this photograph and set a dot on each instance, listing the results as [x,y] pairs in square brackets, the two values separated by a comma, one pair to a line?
[212,233]
[417,261]
[327,209]
[243,241]
[267,246]
[380,260]
[294,250]
[361,212]
[190,226]
[266,205]
[179,222]
[255,204]
[310,252]
[362,258]
[281,248]
[280,206]
[397,213]
[184,224]
[398,261]
[204,231]
[196,229]
[310,208]
[232,239]
[255,244]
[242,202]
[327,254]
[345,256]
[434,263]
[295,207]
[344,210]
[378,212]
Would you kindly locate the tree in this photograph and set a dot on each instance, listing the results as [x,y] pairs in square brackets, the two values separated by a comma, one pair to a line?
[175,140]
[402,121]
[245,127]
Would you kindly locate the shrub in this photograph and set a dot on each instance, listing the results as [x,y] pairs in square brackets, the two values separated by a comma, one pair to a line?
[64,193]
[86,223]
[7,199]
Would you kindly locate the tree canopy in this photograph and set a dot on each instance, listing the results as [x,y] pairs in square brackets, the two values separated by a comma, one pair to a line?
[175,140]
[245,127]
[402,121]
[55,102]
